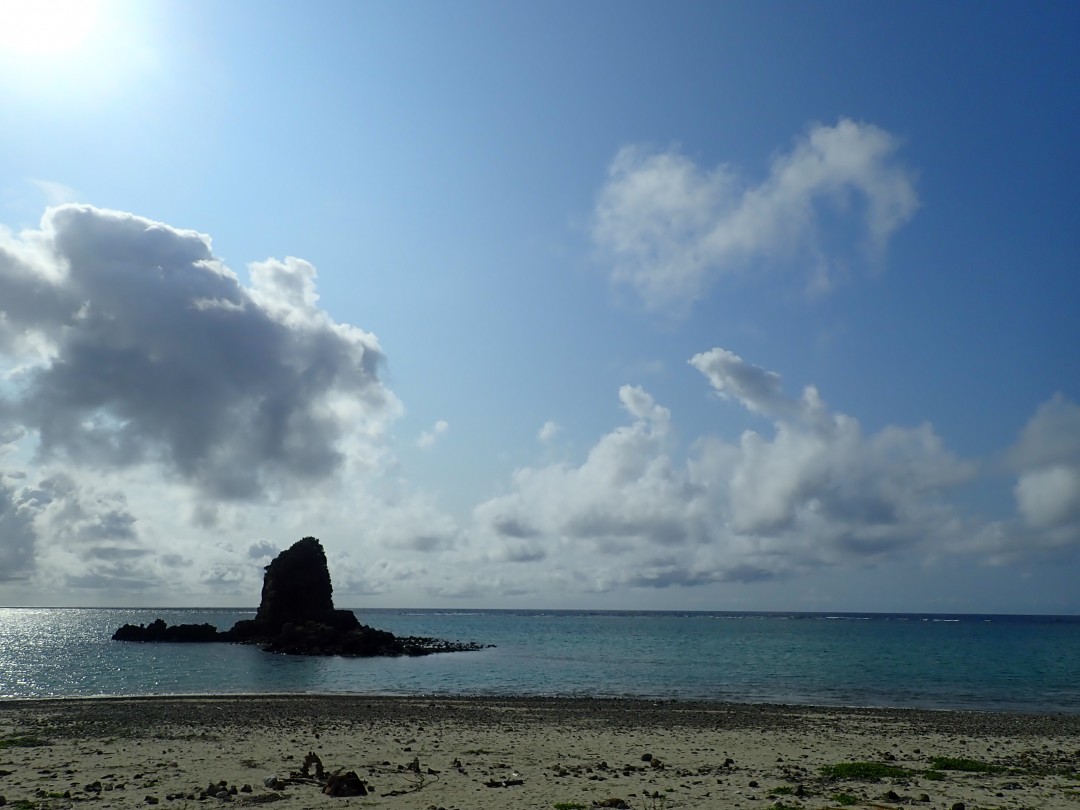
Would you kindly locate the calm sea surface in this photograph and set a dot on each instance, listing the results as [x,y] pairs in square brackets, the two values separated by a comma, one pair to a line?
[1001,663]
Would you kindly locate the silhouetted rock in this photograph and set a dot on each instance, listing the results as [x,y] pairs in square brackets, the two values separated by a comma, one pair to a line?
[296,616]
[297,589]
[158,630]
[296,613]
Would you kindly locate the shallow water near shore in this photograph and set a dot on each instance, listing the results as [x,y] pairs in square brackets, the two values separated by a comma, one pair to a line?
[987,663]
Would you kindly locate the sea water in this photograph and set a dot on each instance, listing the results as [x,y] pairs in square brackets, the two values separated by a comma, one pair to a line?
[999,663]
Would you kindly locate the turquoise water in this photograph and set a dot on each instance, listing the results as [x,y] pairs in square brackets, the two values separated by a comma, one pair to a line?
[1011,663]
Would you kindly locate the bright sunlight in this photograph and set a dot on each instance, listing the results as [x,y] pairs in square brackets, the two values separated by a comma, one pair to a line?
[46,26]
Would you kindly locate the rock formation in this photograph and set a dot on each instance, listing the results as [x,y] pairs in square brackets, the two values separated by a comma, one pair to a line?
[296,593]
[158,630]
[297,616]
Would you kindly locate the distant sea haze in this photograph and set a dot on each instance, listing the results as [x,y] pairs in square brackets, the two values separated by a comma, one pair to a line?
[974,662]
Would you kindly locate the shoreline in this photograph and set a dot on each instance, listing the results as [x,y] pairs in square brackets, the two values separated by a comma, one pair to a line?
[499,752]
[682,703]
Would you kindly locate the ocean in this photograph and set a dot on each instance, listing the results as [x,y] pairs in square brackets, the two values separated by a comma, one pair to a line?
[967,662]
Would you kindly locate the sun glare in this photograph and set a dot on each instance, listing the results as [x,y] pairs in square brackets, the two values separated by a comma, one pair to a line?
[46,26]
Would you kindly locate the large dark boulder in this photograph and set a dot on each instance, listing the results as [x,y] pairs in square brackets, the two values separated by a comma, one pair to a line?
[296,590]
[296,587]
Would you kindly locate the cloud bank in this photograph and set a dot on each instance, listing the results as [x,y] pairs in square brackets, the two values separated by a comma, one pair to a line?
[817,491]
[669,228]
[814,491]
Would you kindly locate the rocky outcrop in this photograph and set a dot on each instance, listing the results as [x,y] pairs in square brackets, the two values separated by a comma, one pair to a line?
[158,630]
[296,593]
[297,616]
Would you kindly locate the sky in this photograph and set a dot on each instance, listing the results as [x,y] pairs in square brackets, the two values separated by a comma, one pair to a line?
[607,305]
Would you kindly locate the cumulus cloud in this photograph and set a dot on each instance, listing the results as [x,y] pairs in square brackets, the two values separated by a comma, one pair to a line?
[132,344]
[429,437]
[83,536]
[149,396]
[1049,496]
[669,228]
[623,490]
[1047,460]
[816,490]
[1052,436]
[753,387]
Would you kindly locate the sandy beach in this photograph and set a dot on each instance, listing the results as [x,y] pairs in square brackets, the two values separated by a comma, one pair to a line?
[471,754]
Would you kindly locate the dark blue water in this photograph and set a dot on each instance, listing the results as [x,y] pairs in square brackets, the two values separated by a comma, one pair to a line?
[1011,663]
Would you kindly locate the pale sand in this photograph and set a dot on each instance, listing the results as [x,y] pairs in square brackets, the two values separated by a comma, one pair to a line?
[539,753]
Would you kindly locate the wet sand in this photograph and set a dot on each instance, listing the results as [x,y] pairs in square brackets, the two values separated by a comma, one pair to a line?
[472,754]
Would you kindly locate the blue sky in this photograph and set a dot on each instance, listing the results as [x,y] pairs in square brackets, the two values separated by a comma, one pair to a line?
[625,305]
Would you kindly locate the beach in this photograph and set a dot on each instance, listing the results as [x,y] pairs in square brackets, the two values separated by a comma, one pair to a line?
[475,753]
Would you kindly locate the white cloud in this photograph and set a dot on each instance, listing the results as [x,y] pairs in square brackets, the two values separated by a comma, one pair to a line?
[817,491]
[428,437]
[668,227]
[87,536]
[1052,436]
[148,397]
[125,363]
[755,388]
[1047,461]
[548,431]
[1049,496]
